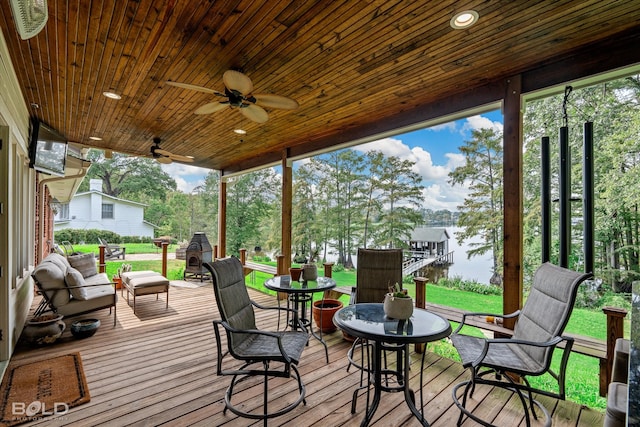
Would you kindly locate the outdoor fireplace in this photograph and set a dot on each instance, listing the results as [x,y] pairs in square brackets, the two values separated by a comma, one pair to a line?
[198,252]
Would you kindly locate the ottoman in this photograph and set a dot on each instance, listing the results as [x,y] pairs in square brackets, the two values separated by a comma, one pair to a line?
[144,283]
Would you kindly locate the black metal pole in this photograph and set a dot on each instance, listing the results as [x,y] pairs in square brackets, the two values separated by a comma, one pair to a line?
[564,198]
[587,196]
[545,196]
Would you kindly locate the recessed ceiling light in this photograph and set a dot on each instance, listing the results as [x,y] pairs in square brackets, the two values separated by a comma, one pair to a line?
[111,95]
[95,138]
[464,19]
[240,131]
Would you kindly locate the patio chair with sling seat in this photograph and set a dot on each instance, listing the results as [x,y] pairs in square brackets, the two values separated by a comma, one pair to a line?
[245,342]
[377,269]
[507,362]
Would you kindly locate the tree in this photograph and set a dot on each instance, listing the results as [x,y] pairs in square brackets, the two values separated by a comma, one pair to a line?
[250,199]
[400,193]
[134,178]
[481,212]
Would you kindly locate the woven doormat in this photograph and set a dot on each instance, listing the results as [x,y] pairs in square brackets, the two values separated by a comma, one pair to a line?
[47,388]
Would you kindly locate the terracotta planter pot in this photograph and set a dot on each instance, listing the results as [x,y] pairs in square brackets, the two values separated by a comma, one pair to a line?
[325,309]
[117,281]
[295,273]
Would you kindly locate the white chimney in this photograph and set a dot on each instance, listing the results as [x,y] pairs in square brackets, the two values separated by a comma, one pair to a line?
[95,185]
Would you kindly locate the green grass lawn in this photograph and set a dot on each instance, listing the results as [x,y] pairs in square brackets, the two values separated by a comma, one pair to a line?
[583,371]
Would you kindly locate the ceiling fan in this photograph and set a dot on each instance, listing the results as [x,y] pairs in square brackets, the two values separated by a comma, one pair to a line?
[238,93]
[166,157]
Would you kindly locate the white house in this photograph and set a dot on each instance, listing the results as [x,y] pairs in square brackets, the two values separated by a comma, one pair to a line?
[96,210]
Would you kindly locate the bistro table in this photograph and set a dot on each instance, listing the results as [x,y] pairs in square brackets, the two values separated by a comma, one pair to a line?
[368,321]
[300,293]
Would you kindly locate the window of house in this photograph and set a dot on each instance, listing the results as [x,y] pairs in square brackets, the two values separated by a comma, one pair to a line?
[107,211]
[63,211]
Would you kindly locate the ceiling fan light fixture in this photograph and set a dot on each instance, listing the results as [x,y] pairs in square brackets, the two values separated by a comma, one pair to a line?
[111,95]
[30,16]
[464,19]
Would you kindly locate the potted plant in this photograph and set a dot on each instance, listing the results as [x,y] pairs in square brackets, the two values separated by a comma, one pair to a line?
[397,303]
[323,311]
[310,269]
[117,278]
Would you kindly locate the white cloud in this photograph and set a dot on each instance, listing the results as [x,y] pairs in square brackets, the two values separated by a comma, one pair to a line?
[480,122]
[187,177]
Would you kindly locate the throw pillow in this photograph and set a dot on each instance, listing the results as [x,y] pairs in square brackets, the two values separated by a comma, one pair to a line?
[84,263]
[76,283]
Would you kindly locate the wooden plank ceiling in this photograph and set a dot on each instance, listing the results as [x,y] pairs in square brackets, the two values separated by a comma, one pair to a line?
[355,66]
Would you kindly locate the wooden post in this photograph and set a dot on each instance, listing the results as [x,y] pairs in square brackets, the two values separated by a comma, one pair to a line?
[165,244]
[101,264]
[243,256]
[222,217]
[215,252]
[615,330]
[512,182]
[421,302]
[328,269]
[287,202]
[280,267]
[281,270]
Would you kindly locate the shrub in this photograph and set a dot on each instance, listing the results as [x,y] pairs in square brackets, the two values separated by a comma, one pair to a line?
[472,286]
[337,268]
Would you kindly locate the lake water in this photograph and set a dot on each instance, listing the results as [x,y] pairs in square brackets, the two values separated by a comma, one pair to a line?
[477,268]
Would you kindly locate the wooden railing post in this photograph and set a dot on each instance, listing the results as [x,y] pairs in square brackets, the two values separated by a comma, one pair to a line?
[101,264]
[615,330]
[421,302]
[281,270]
[165,244]
[215,252]
[243,256]
[328,269]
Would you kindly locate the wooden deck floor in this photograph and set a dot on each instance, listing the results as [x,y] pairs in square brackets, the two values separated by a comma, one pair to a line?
[158,368]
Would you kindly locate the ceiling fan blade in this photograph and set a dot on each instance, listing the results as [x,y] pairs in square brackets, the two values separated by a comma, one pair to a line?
[211,107]
[193,87]
[164,160]
[276,101]
[180,158]
[235,80]
[255,113]
[176,157]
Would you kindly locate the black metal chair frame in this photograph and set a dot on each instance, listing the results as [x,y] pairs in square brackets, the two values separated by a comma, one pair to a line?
[511,378]
[287,370]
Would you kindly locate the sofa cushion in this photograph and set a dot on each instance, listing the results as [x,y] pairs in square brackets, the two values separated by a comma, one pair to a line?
[97,297]
[58,260]
[76,284]
[84,263]
[51,279]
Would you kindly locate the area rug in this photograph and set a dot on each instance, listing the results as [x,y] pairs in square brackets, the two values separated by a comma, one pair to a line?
[47,388]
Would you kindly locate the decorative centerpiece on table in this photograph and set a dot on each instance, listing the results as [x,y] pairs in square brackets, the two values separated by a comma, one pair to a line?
[397,303]
[117,278]
[310,269]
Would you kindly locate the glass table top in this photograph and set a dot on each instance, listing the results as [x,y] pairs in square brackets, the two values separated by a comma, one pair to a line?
[369,321]
[285,284]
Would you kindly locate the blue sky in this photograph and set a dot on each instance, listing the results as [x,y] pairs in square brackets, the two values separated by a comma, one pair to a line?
[434,151]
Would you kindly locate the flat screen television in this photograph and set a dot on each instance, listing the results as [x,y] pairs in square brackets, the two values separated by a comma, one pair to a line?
[48,149]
